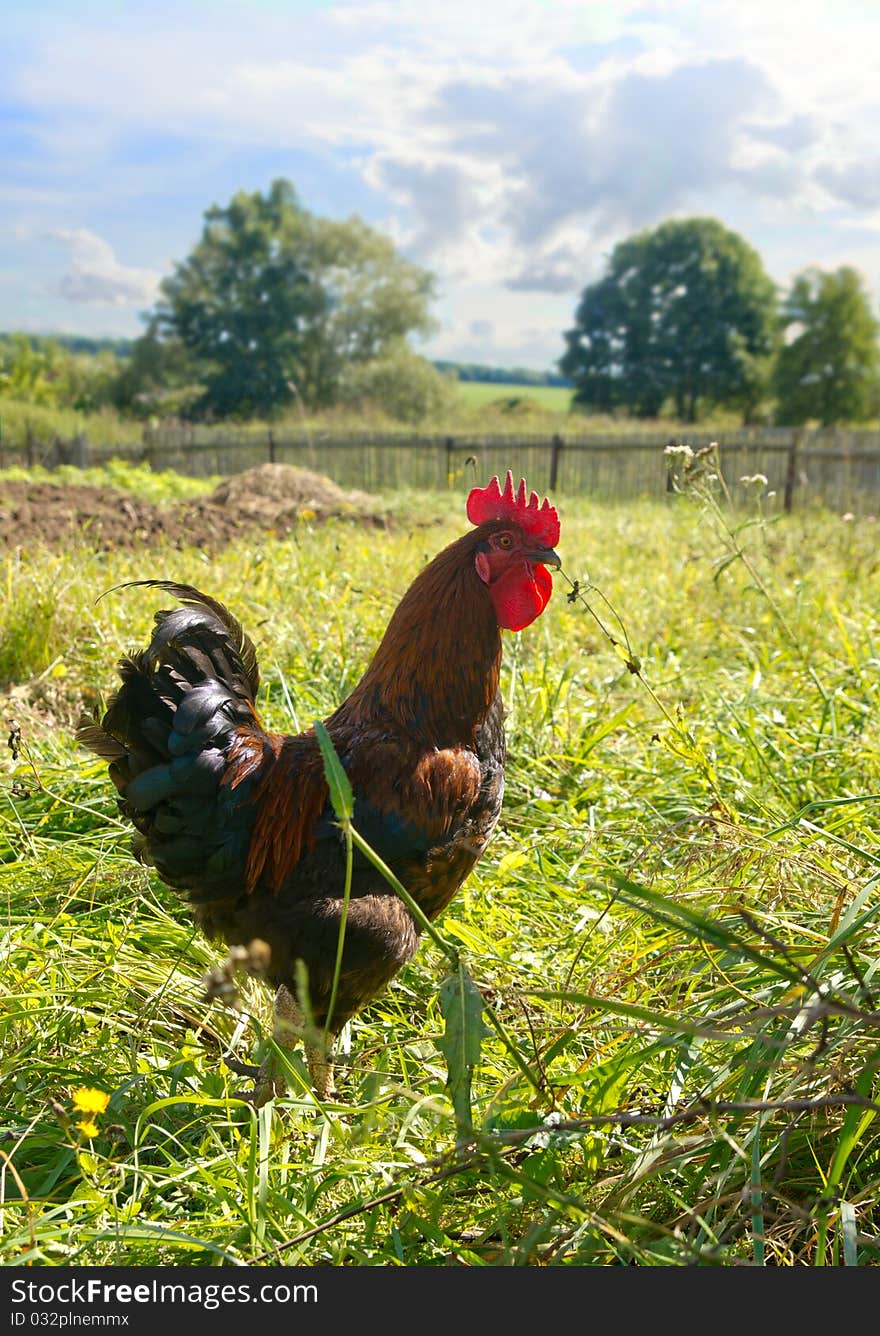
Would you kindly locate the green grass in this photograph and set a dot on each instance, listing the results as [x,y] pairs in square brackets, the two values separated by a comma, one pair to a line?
[159,487]
[548,398]
[675,926]
[18,420]
[474,408]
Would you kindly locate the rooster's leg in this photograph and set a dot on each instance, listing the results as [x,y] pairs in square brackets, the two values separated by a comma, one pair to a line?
[288,1029]
[320,1061]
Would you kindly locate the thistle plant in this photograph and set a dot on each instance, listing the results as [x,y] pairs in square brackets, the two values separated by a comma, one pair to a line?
[698,474]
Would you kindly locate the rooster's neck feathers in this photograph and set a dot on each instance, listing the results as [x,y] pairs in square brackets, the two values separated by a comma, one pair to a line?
[436,670]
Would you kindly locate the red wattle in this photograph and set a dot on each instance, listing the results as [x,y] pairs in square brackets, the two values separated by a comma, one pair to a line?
[520,596]
[544,581]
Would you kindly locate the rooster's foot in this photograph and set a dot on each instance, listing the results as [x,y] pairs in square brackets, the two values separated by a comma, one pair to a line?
[320,1068]
[267,1081]
[242,1068]
[288,1030]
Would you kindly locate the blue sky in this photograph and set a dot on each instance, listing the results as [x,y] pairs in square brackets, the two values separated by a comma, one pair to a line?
[506,145]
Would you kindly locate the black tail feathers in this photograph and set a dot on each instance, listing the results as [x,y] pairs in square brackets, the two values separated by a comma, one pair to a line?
[194,644]
[210,609]
[199,662]
[170,734]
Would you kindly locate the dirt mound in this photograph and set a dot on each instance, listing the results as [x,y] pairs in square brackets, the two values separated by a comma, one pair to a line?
[288,488]
[273,496]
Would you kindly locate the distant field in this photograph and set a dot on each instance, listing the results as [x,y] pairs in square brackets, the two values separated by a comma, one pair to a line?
[551,398]
[480,404]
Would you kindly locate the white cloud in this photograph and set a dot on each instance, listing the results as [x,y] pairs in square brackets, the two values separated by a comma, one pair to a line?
[526,179]
[96,277]
[448,200]
[855,182]
[563,268]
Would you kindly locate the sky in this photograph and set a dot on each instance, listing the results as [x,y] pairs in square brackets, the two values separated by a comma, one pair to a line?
[507,145]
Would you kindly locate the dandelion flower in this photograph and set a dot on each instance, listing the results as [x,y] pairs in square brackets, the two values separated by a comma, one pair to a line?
[89,1127]
[88,1100]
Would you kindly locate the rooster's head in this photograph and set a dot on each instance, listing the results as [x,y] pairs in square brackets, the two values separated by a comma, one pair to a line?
[518,534]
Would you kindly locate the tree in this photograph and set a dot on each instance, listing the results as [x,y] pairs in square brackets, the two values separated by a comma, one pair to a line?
[274,302]
[829,370]
[684,318]
[45,372]
[372,299]
[33,370]
[159,377]
[241,301]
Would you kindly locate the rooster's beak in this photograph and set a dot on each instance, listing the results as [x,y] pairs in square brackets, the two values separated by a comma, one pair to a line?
[545,556]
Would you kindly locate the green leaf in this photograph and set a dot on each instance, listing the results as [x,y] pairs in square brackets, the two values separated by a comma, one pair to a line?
[462,1008]
[341,795]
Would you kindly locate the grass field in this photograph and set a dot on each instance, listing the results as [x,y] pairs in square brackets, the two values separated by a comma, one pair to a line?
[674,928]
[473,406]
[474,409]
[549,398]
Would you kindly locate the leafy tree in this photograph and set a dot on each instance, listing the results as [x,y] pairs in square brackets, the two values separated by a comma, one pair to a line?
[829,371]
[372,299]
[45,372]
[33,370]
[159,377]
[274,301]
[240,302]
[685,317]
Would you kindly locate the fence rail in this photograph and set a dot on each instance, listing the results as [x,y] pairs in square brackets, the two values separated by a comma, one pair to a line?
[840,469]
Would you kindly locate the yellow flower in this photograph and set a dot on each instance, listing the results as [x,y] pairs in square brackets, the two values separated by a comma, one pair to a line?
[88,1127]
[88,1100]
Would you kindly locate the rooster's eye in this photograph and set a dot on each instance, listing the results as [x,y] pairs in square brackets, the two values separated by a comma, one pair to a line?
[504,540]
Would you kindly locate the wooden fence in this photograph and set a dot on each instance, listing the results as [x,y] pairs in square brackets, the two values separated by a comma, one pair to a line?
[840,469]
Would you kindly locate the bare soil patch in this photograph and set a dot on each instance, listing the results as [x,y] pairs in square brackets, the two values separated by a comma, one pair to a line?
[273,497]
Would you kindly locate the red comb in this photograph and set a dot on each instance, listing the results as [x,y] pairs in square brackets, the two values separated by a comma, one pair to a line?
[538,518]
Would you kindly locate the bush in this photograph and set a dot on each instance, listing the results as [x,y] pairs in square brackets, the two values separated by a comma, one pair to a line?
[402,384]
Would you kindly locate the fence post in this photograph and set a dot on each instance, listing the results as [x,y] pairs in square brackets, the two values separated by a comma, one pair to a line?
[450,446]
[271,447]
[791,471]
[80,451]
[556,446]
[148,436]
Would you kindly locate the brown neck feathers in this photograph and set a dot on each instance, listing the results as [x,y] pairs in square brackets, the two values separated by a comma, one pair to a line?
[436,670]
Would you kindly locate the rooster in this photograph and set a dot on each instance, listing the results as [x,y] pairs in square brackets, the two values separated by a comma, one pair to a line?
[239,818]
